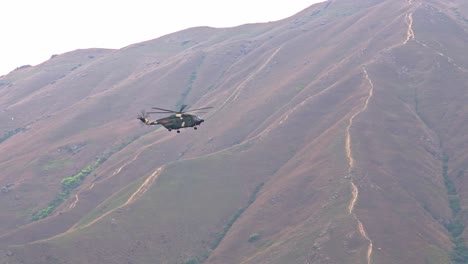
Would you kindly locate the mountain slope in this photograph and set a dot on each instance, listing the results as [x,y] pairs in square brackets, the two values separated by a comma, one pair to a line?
[338,136]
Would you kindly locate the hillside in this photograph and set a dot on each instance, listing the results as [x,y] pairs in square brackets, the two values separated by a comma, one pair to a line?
[338,135]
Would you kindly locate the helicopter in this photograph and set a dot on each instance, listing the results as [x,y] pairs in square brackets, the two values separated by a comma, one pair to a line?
[179,119]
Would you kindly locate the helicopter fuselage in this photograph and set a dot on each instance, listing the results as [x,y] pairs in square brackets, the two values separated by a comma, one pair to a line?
[178,121]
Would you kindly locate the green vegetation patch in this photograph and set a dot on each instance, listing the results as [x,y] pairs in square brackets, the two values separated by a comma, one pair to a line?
[451,190]
[455,227]
[191,261]
[436,255]
[11,133]
[455,205]
[236,216]
[68,185]
[460,251]
[191,80]
[72,182]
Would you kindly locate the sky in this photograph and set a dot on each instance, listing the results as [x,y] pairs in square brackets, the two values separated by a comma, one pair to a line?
[32,31]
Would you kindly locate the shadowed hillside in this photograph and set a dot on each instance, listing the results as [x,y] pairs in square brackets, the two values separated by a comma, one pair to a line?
[338,135]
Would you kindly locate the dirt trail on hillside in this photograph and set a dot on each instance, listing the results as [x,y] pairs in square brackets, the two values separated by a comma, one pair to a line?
[449,59]
[137,194]
[351,167]
[128,162]
[410,32]
[411,36]
[74,202]
[233,96]
[351,163]
[117,171]
[409,21]
[285,116]
[144,187]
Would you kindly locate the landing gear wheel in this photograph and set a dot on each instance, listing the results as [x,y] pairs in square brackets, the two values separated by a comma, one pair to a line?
[169,130]
[178,131]
[195,128]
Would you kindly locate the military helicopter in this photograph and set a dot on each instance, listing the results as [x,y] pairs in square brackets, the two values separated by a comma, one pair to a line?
[179,119]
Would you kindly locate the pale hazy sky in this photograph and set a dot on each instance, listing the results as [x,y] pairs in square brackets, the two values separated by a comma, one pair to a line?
[33,30]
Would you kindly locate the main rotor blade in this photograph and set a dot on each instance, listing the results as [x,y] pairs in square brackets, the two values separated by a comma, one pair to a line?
[196,111]
[157,112]
[203,108]
[171,111]
[182,107]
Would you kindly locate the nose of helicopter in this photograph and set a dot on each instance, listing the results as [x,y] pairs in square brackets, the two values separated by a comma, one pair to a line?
[197,120]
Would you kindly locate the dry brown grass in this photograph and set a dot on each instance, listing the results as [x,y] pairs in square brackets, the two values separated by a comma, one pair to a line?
[342,112]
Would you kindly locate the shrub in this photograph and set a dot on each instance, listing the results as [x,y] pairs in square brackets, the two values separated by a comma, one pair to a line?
[11,133]
[461,173]
[191,261]
[74,181]
[68,184]
[43,213]
[455,205]
[239,212]
[451,190]
[254,237]
[460,254]
[455,228]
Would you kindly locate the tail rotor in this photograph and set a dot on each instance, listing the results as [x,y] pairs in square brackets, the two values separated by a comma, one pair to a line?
[143,116]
